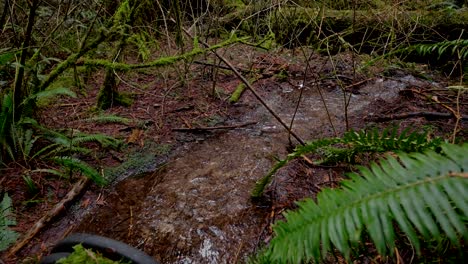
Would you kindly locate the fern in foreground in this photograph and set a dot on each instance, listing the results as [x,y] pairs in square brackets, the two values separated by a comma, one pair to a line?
[423,194]
[301,150]
[7,236]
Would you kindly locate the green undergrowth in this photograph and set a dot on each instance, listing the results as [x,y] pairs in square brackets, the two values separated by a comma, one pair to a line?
[420,196]
[374,29]
[7,219]
[139,161]
[83,255]
[351,146]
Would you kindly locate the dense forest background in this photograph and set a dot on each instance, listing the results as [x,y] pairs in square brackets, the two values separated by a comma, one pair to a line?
[77,76]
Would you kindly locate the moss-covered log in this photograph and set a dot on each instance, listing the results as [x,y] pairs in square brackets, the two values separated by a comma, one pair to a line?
[161,62]
[236,95]
[370,29]
[104,35]
[367,30]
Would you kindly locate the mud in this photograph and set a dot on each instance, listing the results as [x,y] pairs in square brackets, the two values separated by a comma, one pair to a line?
[197,207]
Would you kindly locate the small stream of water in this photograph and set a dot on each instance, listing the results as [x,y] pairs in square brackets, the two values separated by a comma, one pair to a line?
[198,209]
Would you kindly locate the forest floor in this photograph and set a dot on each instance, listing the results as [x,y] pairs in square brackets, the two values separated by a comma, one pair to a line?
[182,193]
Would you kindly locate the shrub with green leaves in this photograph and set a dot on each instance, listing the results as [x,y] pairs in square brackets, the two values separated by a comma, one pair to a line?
[423,194]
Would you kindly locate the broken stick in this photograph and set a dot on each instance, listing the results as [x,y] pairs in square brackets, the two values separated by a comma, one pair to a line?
[200,129]
[58,208]
[254,92]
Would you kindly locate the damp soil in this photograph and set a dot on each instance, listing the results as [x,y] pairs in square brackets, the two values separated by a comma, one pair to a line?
[192,204]
[197,208]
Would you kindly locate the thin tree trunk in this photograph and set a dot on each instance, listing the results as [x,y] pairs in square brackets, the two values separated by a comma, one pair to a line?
[4,14]
[109,94]
[19,89]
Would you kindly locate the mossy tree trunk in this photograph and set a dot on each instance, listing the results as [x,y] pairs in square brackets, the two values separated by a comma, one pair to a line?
[109,95]
[6,6]
[20,91]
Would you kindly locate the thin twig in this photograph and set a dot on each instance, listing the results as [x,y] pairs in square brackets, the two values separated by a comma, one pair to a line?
[458,116]
[244,80]
[199,129]
[219,66]
[301,91]
[58,208]
[325,104]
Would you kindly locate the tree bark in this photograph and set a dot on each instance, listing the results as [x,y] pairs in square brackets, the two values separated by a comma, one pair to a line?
[6,6]
[20,92]
[109,94]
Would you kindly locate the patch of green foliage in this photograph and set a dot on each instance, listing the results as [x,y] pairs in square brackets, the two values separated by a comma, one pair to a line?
[7,236]
[161,62]
[141,41]
[139,161]
[423,194]
[76,164]
[457,48]
[352,144]
[83,255]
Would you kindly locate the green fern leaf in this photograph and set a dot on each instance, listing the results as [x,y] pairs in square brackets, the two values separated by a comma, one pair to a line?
[104,140]
[420,193]
[354,142]
[49,93]
[108,119]
[83,167]
[7,236]
[300,150]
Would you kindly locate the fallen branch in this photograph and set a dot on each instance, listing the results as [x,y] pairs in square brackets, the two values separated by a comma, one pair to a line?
[427,115]
[58,208]
[200,129]
[235,96]
[244,71]
[161,62]
[250,87]
[356,84]
[219,66]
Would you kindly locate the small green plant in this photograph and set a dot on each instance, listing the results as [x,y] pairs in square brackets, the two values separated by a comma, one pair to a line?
[83,255]
[424,195]
[457,47]
[67,149]
[6,124]
[16,137]
[31,185]
[352,144]
[84,168]
[7,236]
